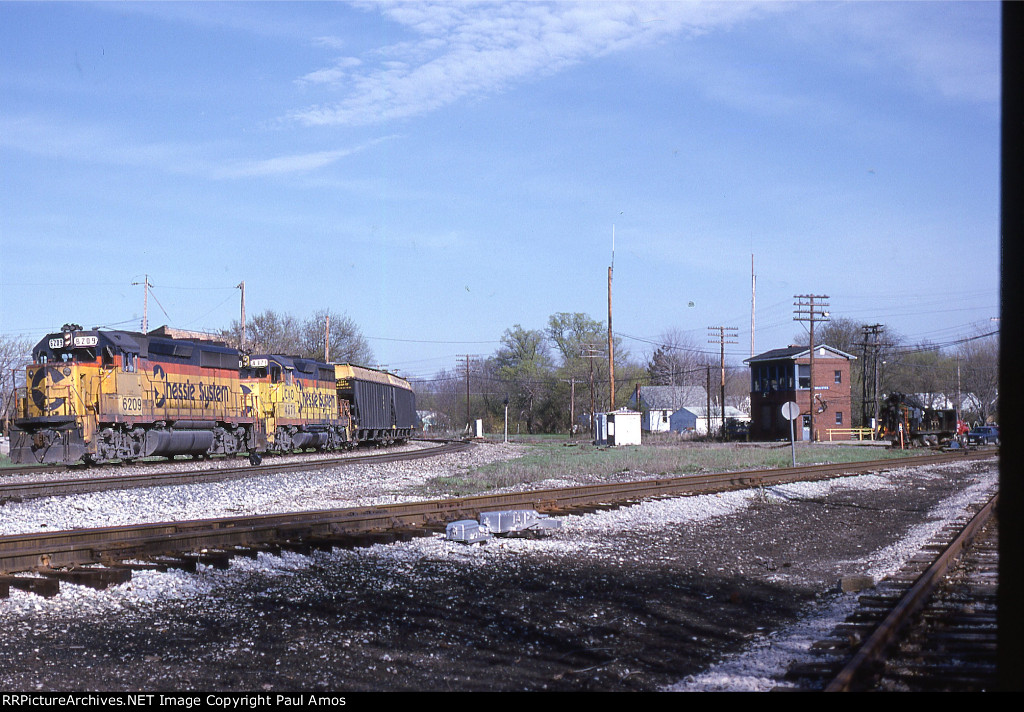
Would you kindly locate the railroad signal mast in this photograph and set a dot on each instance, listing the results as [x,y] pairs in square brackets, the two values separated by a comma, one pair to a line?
[809,308]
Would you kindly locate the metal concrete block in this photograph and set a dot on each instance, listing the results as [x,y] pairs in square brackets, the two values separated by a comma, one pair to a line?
[516,521]
[467,531]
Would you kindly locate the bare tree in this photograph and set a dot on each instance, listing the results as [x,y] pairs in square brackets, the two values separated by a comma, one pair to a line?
[979,372]
[15,354]
[272,333]
[347,342]
[677,361]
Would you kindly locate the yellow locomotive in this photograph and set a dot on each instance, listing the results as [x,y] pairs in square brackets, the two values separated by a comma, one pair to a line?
[296,403]
[96,395]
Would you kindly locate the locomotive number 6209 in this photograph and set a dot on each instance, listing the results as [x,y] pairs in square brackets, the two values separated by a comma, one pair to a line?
[131,404]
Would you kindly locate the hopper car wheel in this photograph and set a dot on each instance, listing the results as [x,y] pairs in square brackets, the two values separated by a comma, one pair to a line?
[255,458]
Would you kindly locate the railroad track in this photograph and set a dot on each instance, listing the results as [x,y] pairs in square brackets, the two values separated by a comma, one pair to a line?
[103,556]
[21,491]
[932,627]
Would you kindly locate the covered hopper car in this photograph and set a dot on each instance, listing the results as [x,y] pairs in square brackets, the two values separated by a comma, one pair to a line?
[383,406]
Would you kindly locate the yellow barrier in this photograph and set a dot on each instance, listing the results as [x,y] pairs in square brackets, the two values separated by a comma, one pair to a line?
[851,434]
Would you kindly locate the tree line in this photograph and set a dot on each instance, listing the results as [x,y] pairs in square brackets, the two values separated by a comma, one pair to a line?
[552,378]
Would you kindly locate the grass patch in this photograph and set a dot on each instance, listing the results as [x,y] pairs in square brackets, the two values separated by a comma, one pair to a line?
[546,461]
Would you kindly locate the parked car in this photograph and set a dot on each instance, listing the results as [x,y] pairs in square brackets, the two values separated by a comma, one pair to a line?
[737,429]
[983,435]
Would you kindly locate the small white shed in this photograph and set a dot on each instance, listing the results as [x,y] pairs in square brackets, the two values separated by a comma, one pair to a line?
[620,427]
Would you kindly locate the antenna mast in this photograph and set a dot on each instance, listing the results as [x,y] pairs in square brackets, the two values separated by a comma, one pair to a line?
[611,348]
[753,296]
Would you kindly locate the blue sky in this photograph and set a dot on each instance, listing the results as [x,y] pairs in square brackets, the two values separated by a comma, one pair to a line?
[442,171]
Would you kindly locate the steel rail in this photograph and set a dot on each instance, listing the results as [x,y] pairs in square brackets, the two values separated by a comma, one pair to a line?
[20,491]
[80,547]
[875,646]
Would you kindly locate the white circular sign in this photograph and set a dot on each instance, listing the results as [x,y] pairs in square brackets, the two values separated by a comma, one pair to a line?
[790,410]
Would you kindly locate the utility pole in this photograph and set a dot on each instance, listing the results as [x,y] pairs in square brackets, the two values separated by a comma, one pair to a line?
[871,335]
[753,296]
[145,303]
[807,309]
[572,404]
[722,341]
[611,348]
[707,408]
[469,423]
[590,352]
[241,285]
[327,339]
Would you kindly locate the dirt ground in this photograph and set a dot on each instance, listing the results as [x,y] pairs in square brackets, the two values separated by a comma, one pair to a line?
[505,617]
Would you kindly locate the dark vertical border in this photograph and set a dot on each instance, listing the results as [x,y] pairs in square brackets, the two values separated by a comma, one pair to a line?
[1011,563]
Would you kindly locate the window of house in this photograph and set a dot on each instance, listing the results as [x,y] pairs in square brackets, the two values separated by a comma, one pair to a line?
[804,374]
[839,416]
[839,376]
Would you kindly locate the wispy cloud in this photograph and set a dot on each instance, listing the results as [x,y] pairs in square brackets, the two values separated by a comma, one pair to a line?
[40,137]
[462,50]
[297,163]
[473,49]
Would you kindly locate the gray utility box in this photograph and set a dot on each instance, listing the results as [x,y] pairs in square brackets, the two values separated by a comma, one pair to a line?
[467,531]
[518,521]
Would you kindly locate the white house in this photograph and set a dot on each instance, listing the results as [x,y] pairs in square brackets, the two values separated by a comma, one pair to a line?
[658,403]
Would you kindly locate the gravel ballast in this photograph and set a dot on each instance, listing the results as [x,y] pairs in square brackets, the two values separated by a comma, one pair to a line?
[713,592]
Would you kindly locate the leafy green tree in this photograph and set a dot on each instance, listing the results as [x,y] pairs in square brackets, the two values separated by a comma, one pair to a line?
[524,364]
[582,344]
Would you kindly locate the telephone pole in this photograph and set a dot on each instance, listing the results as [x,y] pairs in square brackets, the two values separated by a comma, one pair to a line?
[241,285]
[327,338]
[722,340]
[809,309]
[753,296]
[145,303]
[590,352]
[572,405]
[611,348]
[871,342]
[467,357]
